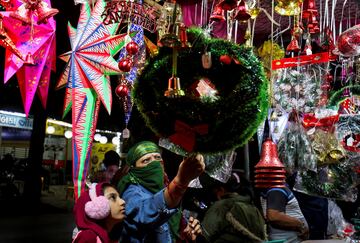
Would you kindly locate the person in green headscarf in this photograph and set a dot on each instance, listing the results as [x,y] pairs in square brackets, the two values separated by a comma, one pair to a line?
[151,208]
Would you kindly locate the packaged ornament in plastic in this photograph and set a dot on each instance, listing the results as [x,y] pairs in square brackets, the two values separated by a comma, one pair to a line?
[326,147]
[294,147]
[337,181]
[297,89]
[218,165]
[348,132]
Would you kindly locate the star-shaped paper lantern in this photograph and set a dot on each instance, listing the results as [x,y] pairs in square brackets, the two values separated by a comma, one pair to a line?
[85,76]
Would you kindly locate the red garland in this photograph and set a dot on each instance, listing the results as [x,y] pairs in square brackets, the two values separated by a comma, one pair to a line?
[310,121]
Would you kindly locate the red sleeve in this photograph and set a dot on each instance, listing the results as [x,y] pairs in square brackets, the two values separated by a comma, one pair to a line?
[85,236]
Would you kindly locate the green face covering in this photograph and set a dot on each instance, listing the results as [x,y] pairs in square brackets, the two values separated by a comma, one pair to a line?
[151,177]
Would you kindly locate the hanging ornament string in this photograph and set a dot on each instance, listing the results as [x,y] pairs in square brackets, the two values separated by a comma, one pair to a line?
[342,16]
[236,29]
[320,22]
[131,76]
[333,26]
[271,56]
[204,14]
[229,24]
[325,18]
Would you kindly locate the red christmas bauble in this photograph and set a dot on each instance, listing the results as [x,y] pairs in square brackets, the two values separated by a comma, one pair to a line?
[349,42]
[125,65]
[132,48]
[225,59]
[121,90]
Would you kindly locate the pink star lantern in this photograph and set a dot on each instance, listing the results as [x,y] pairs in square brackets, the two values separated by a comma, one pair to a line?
[38,44]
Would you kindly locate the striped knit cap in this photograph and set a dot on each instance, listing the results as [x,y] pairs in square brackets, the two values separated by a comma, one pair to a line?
[139,150]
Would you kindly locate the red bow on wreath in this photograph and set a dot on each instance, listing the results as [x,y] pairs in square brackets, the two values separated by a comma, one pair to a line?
[185,135]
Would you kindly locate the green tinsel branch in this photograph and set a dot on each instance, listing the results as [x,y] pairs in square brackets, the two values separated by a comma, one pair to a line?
[242,93]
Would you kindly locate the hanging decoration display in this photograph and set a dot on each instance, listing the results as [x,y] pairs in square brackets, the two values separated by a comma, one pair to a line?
[31,55]
[88,63]
[8,43]
[337,181]
[309,16]
[241,89]
[30,8]
[348,132]
[296,89]
[288,7]
[269,51]
[327,148]
[338,96]
[134,53]
[269,171]
[123,11]
[295,148]
[348,43]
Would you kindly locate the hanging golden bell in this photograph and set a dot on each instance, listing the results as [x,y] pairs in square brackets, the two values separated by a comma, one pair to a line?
[254,12]
[22,14]
[274,116]
[29,60]
[172,39]
[288,7]
[174,89]
[151,47]
[44,13]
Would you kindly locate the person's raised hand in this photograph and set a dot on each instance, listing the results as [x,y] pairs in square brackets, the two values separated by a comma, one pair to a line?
[190,168]
[193,229]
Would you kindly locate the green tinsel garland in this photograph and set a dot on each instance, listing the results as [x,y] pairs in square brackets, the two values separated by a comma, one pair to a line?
[337,97]
[242,89]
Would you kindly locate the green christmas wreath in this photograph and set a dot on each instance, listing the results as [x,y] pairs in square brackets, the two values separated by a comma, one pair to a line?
[232,118]
[338,97]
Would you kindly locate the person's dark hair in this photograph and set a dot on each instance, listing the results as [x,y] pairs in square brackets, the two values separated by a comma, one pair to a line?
[111,158]
[233,184]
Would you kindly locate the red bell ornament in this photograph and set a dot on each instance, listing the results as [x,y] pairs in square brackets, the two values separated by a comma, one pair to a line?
[293,46]
[242,13]
[125,64]
[218,14]
[122,90]
[29,59]
[44,13]
[349,42]
[228,4]
[269,156]
[132,48]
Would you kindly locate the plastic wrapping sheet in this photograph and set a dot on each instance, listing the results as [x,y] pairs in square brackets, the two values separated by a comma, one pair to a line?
[337,181]
[327,148]
[297,89]
[348,132]
[295,150]
[218,165]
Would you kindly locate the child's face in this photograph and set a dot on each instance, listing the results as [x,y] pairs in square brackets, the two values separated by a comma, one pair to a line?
[117,204]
